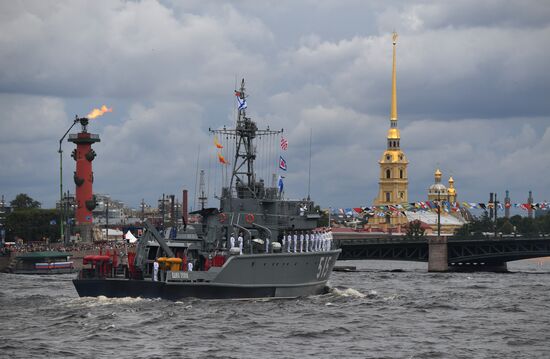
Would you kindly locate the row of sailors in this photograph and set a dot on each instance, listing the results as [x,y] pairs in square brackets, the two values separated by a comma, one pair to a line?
[316,241]
[240,242]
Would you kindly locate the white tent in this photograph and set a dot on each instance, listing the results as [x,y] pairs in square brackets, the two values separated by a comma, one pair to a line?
[130,237]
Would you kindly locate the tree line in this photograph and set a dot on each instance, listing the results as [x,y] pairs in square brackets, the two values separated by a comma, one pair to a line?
[515,225]
[27,220]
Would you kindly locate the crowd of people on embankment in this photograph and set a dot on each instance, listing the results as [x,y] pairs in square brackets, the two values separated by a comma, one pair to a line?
[60,247]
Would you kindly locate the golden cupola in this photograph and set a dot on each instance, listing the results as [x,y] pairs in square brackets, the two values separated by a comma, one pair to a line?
[451,190]
[437,191]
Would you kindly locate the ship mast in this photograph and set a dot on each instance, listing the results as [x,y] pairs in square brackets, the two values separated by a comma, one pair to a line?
[243,179]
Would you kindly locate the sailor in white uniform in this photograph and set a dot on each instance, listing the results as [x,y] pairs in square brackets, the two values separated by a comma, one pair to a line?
[267,245]
[295,240]
[307,241]
[155,270]
[283,241]
[289,240]
[232,240]
[240,240]
[301,242]
[330,239]
[190,266]
[318,241]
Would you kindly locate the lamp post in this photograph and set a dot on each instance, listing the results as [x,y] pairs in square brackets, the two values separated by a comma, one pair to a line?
[495,204]
[61,214]
[438,213]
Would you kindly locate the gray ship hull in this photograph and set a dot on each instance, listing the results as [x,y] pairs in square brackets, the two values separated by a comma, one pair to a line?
[280,275]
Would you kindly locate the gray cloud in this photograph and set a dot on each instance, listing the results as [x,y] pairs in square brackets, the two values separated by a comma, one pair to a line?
[473,81]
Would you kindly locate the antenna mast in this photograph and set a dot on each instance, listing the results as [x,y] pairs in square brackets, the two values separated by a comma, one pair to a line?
[202,195]
[243,177]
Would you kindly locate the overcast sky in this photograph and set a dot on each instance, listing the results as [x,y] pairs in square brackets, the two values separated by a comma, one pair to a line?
[473,93]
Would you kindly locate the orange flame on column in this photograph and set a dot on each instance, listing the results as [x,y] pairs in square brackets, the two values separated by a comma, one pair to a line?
[96,112]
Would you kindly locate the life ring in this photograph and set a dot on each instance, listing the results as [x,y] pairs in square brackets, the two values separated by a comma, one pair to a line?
[222,217]
[249,218]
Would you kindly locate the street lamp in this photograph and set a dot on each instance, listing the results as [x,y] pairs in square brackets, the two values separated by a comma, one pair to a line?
[438,214]
[61,214]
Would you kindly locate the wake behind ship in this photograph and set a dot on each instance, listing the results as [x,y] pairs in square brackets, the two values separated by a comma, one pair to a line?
[255,245]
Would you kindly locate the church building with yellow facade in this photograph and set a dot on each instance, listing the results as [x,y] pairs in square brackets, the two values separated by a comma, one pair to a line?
[393,197]
[393,182]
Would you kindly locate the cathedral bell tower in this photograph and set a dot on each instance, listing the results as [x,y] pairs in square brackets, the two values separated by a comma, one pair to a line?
[393,183]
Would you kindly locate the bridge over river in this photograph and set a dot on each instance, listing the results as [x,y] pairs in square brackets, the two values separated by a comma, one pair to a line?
[442,254]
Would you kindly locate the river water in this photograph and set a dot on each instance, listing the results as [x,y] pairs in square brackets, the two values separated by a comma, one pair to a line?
[372,313]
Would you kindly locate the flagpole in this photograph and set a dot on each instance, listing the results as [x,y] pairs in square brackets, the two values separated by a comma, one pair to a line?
[309,173]
[196,177]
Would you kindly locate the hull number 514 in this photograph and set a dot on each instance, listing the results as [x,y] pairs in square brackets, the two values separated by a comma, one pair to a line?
[324,267]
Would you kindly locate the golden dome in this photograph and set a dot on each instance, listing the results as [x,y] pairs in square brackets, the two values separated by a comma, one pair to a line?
[437,173]
[393,134]
[451,180]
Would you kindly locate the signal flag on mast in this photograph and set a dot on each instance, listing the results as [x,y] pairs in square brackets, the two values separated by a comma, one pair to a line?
[217,143]
[282,163]
[284,143]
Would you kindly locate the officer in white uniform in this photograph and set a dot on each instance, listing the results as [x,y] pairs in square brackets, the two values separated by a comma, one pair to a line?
[240,240]
[267,245]
[330,239]
[307,241]
[295,241]
[283,241]
[302,242]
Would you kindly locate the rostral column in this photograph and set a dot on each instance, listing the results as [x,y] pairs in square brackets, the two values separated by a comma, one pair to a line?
[83,154]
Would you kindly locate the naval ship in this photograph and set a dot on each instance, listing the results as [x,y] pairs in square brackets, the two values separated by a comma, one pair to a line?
[265,266]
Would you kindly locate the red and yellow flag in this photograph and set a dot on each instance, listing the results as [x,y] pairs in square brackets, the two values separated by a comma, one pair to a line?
[217,143]
[221,159]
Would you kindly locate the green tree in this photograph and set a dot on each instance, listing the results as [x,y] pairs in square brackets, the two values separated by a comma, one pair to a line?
[32,224]
[415,230]
[528,227]
[506,228]
[543,222]
[23,201]
[323,221]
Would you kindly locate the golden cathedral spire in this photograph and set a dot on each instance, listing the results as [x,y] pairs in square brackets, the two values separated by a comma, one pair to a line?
[393,132]
[393,112]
